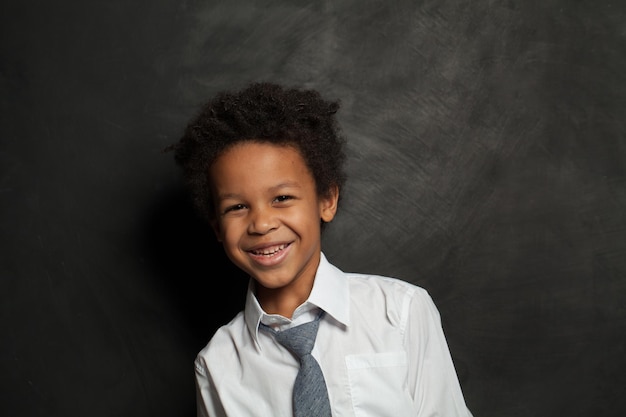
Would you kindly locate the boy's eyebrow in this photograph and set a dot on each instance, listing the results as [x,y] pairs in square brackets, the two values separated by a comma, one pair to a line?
[275,188]
[226,196]
[287,184]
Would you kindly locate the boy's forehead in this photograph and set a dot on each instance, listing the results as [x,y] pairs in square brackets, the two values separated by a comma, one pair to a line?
[256,164]
[259,145]
[252,152]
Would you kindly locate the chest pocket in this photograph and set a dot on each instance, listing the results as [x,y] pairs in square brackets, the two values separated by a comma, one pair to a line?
[378,385]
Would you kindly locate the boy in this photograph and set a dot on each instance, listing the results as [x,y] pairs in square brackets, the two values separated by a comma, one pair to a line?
[265,166]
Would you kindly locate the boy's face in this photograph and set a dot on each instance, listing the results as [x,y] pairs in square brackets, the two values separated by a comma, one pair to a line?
[268,214]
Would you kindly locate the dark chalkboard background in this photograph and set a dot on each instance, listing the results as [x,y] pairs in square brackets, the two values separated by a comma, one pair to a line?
[487,164]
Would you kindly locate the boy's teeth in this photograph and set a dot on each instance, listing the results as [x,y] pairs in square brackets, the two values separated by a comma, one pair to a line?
[269,251]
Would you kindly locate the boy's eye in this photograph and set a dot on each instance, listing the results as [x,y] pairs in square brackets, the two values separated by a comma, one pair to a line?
[282,198]
[235,207]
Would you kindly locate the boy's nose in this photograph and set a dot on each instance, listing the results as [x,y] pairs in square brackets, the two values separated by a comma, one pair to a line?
[262,221]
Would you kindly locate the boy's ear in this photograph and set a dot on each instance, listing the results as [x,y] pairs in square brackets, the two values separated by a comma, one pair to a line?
[328,204]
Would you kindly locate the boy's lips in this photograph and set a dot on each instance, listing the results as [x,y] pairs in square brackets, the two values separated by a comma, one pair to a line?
[269,255]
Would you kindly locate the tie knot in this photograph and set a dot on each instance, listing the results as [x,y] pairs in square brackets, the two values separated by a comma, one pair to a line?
[299,339]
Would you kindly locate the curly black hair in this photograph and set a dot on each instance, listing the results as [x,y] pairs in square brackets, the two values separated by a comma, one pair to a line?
[262,112]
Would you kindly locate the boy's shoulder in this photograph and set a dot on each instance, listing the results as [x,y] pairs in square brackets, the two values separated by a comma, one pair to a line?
[384,283]
[388,293]
[225,333]
[369,286]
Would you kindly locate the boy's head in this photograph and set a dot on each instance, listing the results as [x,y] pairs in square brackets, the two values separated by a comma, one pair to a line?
[266,113]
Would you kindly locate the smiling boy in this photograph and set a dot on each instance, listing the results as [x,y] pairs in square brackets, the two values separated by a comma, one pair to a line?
[268,219]
[265,168]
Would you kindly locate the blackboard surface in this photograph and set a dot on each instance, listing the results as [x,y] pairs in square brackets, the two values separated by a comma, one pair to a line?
[487,165]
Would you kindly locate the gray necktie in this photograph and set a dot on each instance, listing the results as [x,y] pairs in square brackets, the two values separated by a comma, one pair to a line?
[310,396]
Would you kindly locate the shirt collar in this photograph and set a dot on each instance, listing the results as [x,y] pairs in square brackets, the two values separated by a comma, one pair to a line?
[330,293]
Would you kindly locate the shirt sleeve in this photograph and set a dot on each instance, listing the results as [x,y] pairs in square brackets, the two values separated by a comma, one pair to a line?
[208,403]
[432,377]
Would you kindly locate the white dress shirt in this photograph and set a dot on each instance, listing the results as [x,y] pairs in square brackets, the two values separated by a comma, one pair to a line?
[380,345]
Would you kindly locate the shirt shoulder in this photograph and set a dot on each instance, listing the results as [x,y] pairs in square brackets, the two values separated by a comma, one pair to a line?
[398,298]
[389,287]
[223,343]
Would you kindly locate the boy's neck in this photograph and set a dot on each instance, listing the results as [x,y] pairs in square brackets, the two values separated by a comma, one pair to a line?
[282,301]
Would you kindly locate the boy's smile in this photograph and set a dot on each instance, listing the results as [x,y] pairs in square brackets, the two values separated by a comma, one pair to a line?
[268,217]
